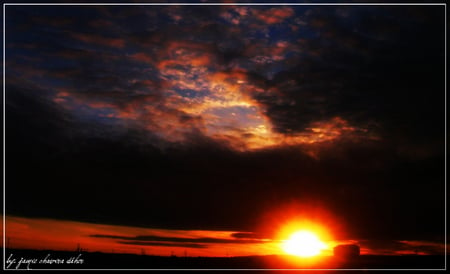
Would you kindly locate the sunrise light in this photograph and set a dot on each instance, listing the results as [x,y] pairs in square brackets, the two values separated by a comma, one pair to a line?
[303,243]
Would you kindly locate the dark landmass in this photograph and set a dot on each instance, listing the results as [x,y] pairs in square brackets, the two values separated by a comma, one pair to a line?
[48,259]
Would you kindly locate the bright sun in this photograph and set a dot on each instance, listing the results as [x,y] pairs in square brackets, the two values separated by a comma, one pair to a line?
[303,243]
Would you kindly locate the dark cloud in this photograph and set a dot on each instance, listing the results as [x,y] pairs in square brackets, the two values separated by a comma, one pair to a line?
[206,118]
[188,245]
[153,238]
[402,247]
[247,235]
[378,81]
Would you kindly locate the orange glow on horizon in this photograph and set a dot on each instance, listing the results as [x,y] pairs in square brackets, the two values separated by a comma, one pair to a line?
[51,234]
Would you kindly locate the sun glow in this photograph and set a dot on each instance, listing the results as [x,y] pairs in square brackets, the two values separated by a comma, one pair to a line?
[303,243]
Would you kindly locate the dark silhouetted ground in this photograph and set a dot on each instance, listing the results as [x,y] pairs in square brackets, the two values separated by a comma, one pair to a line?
[45,259]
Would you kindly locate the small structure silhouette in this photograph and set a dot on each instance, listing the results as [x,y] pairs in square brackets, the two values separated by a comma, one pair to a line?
[348,251]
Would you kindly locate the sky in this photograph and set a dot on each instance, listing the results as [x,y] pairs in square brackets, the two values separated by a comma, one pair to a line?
[233,120]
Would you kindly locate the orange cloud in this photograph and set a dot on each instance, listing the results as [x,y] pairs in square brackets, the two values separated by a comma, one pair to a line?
[99,40]
[227,114]
[62,94]
[173,46]
[142,57]
[100,105]
[186,59]
[260,134]
[274,15]
[218,104]
[201,60]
